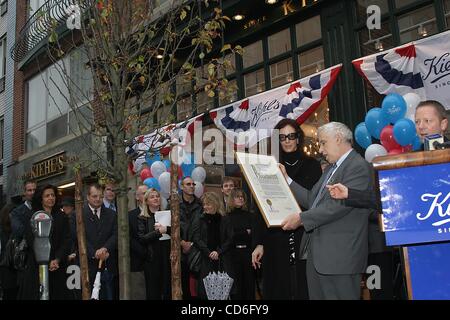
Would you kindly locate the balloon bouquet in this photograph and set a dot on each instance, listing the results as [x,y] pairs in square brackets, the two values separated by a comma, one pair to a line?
[155,173]
[392,124]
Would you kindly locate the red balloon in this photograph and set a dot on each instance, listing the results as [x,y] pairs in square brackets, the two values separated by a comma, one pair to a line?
[395,151]
[387,138]
[164,151]
[407,148]
[145,173]
[180,173]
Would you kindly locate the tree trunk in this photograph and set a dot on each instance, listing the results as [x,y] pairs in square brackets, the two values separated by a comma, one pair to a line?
[175,251]
[81,238]
[123,240]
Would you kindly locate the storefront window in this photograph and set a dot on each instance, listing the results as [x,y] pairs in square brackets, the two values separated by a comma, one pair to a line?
[310,126]
[37,101]
[281,73]
[231,94]
[417,24]
[58,98]
[376,40]
[253,54]
[254,82]
[36,138]
[311,61]
[57,128]
[447,13]
[402,3]
[279,43]
[82,120]
[308,31]
[204,102]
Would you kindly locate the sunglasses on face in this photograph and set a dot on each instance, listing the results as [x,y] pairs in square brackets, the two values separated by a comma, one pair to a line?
[290,136]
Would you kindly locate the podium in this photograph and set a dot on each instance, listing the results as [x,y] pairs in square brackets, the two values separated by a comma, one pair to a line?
[414,189]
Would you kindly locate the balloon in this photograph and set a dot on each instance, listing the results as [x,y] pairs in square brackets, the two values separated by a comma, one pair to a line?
[138,164]
[416,144]
[165,195]
[157,168]
[145,173]
[387,138]
[167,163]
[412,100]
[188,165]
[374,150]
[164,151]
[164,182]
[404,131]
[393,107]
[164,203]
[375,122]
[198,192]
[362,135]
[395,151]
[152,183]
[150,158]
[199,174]
[407,148]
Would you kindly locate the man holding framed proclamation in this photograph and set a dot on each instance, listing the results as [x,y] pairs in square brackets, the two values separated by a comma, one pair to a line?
[269,187]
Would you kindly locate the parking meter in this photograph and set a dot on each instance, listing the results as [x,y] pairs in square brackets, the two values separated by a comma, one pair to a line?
[41,224]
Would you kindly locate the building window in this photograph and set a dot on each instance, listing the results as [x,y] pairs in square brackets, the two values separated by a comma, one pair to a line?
[34,6]
[417,24]
[447,13]
[376,40]
[362,5]
[3,7]
[184,108]
[254,82]
[281,73]
[311,61]
[231,94]
[279,43]
[2,135]
[3,55]
[308,31]
[403,3]
[253,54]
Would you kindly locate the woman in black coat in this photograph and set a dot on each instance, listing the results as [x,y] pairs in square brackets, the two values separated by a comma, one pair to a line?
[283,274]
[8,275]
[149,233]
[213,237]
[45,199]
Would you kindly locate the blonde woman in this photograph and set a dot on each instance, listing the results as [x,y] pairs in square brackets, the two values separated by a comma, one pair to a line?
[242,222]
[149,232]
[213,237]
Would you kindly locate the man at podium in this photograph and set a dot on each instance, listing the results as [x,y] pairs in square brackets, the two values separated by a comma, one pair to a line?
[430,118]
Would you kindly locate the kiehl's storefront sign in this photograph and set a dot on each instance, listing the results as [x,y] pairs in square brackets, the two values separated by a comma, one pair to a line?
[48,167]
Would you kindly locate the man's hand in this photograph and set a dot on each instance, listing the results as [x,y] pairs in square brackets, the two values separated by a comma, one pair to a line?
[102,254]
[291,222]
[54,265]
[283,170]
[338,191]
[257,255]
[214,255]
[185,246]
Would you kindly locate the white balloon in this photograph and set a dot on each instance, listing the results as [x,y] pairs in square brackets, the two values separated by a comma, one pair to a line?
[164,182]
[412,100]
[164,203]
[138,164]
[165,195]
[198,192]
[157,168]
[199,174]
[375,150]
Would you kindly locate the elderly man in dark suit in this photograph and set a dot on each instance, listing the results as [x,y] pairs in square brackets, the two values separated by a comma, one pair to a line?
[336,241]
[101,239]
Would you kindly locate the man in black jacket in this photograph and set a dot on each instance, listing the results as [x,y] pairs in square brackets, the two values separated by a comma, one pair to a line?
[137,250]
[22,214]
[101,240]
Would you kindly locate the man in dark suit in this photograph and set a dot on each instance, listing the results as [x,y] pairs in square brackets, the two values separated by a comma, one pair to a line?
[336,241]
[22,214]
[101,239]
[138,251]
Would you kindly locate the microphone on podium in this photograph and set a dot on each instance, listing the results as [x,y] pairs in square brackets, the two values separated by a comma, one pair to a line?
[435,142]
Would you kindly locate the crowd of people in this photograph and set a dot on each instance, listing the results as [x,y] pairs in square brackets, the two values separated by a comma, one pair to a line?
[319,253]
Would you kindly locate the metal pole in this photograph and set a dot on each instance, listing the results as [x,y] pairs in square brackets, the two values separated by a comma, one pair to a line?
[43,281]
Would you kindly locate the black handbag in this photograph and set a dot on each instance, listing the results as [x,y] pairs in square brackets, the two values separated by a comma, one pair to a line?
[194,259]
[7,255]
[20,254]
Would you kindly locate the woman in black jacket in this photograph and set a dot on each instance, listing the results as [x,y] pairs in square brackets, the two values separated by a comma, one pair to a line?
[45,199]
[149,233]
[283,274]
[8,275]
[213,237]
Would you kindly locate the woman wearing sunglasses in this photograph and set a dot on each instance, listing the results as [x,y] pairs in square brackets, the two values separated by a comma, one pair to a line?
[283,274]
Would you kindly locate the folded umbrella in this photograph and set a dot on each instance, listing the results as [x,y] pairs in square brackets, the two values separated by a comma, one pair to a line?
[97,283]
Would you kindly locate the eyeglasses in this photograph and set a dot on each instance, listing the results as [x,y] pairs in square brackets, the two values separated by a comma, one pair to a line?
[290,136]
[190,184]
[239,197]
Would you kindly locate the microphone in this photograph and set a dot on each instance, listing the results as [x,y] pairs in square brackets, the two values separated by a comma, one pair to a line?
[441,146]
[433,142]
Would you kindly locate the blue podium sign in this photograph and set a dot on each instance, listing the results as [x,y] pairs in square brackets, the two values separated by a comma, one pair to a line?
[416,204]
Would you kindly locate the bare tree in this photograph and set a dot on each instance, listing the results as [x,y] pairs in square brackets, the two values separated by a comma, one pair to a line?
[134,53]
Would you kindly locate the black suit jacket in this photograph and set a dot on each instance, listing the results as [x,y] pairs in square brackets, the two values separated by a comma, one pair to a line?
[100,233]
[138,251]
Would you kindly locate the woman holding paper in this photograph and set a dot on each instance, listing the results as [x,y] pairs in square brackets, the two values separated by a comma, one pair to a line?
[283,274]
[149,233]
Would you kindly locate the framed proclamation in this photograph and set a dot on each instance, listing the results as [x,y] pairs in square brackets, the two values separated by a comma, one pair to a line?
[269,187]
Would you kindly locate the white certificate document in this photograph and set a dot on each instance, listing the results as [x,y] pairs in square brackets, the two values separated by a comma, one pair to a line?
[269,187]
[164,218]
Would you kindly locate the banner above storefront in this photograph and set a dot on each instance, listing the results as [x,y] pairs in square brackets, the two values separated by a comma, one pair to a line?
[421,67]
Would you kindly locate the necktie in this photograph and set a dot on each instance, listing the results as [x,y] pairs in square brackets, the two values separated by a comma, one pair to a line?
[96,213]
[304,252]
[112,207]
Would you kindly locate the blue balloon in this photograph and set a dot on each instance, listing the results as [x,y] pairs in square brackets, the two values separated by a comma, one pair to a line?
[167,163]
[404,131]
[152,183]
[416,144]
[188,165]
[150,158]
[362,135]
[393,107]
[375,122]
